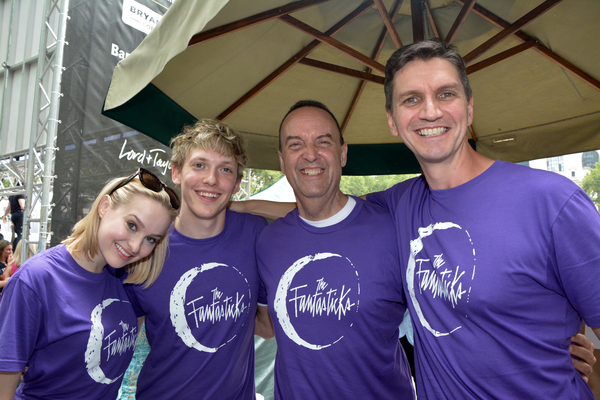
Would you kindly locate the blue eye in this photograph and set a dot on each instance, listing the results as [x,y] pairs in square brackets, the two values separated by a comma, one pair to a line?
[132,226]
[152,240]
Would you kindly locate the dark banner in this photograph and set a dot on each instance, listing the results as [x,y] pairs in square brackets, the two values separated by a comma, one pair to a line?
[92,149]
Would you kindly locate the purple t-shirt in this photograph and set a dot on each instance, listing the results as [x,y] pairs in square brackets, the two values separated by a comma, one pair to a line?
[499,272]
[75,329]
[200,316]
[335,297]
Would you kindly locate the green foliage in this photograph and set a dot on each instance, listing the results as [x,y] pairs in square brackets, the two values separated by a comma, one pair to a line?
[261,179]
[359,185]
[591,184]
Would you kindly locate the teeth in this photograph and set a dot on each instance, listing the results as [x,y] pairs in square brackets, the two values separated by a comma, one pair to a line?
[122,250]
[431,132]
[312,171]
[206,194]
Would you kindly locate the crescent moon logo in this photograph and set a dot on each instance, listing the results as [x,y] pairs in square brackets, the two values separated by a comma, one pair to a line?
[94,346]
[416,246]
[178,301]
[280,302]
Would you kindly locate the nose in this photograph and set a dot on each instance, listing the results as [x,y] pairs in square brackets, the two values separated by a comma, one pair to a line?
[135,245]
[430,110]
[210,178]
[311,153]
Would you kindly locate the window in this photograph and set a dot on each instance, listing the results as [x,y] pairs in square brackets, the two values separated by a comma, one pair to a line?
[589,159]
[555,164]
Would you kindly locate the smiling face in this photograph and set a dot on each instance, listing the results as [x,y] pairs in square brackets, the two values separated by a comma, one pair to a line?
[208,180]
[6,252]
[129,232]
[430,111]
[312,155]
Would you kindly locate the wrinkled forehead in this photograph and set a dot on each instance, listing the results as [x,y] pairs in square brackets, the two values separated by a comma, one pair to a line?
[306,118]
[420,71]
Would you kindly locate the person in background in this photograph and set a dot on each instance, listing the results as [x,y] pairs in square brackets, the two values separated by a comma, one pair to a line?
[65,316]
[16,205]
[16,259]
[6,260]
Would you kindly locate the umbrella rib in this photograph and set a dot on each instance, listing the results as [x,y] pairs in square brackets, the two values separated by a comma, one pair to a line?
[376,53]
[365,76]
[336,44]
[418,25]
[436,32]
[501,56]
[460,20]
[389,24]
[511,29]
[292,61]
[539,47]
[252,20]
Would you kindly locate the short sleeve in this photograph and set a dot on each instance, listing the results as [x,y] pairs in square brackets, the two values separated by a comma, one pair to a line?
[21,321]
[379,198]
[132,294]
[576,236]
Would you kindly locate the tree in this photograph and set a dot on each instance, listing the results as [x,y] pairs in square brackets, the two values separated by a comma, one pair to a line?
[359,185]
[591,184]
[260,179]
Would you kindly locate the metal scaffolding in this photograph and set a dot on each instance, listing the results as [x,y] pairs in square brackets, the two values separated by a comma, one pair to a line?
[34,167]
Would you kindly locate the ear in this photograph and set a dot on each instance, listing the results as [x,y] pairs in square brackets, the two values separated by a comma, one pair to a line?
[470,111]
[344,155]
[237,185]
[391,123]
[281,163]
[104,205]
[175,174]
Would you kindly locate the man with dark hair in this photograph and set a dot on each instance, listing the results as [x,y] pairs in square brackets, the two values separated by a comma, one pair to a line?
[16,205]
[331,276]
[501,262]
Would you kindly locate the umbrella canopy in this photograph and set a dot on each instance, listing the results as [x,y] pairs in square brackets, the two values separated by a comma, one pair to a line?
[534,67]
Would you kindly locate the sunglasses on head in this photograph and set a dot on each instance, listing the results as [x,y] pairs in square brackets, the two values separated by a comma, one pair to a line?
[151,182]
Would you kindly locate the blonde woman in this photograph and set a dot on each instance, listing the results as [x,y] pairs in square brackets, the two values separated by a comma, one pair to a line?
[65,316]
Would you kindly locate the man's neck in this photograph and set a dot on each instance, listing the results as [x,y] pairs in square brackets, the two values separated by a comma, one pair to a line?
[460,169]
[318,209]
[197,228]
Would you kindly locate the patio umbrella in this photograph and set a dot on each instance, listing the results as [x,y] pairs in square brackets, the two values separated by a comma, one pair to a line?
[534,67]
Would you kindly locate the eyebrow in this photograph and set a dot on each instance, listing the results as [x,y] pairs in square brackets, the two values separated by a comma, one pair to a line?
[229,163]
[454,86]
[287,139]
[141,224]
[327,135]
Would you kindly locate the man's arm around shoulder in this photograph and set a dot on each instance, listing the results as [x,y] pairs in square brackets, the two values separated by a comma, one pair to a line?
[263,324]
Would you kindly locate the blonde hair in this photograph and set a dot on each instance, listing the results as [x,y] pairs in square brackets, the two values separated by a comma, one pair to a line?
[17,253]
[83,241]
[210,134]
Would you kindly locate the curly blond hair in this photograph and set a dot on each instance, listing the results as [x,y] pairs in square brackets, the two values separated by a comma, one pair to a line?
[213,135]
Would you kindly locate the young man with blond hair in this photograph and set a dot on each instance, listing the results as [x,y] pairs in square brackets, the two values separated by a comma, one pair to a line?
[200,313]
